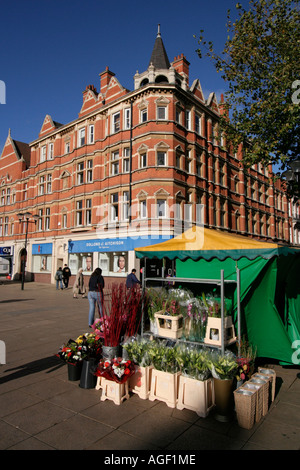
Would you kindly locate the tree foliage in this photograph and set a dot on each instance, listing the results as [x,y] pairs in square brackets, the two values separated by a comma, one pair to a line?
[260,64]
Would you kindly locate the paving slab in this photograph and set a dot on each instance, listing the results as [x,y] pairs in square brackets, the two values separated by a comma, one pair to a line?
[40,409]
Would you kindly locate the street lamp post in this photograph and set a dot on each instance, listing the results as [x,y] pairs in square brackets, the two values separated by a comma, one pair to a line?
[25,217]
[292,177]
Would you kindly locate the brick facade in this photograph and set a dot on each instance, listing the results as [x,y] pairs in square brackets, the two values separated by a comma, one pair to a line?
[155,150]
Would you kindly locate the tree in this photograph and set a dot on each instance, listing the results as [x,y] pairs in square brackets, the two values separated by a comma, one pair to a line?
[260,64]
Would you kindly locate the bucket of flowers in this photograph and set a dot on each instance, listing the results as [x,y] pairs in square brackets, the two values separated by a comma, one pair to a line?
[85,347]
[195,382]
[72,354]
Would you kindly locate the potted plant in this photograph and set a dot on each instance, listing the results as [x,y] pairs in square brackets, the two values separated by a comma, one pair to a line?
[121,318]
[195,382]
[137,351]
[223,369]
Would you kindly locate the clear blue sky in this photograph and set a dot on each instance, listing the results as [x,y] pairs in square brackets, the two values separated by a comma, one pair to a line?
[51,50]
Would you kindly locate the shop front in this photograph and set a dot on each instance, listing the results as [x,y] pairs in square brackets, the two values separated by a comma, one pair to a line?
[42,261]
[116,257]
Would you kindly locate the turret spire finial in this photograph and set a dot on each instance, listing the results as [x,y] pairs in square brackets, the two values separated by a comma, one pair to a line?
[158,31]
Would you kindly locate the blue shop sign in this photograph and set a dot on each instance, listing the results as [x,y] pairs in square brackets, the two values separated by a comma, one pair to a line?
[42,249]
[5,251]
[114,244]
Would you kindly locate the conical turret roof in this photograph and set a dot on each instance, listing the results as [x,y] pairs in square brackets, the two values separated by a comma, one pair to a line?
[159,56]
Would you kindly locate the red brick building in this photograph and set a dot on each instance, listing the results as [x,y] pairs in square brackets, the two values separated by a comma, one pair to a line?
[136,167]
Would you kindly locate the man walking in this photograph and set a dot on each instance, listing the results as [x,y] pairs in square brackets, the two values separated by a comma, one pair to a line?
[132,280]
[66,275]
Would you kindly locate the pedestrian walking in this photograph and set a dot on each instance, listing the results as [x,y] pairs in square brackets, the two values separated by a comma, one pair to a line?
[59,279]
[66,275]
[95,295]
[132,280]
[78,286]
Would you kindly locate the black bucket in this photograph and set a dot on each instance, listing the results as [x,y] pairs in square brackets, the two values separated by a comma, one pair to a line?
[88,379]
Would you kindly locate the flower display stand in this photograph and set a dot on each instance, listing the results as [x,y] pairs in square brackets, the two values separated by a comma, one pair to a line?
[98,383]
[215,324]
[169,326]
[164,387]
[114,391]
[195,395]
[140,381]
[245,407]
[264,384]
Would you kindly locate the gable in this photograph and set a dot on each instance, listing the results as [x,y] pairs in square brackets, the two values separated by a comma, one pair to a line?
[14,152]
[114,90]
[48,126]
[196,89]
[212,103]
[91,100]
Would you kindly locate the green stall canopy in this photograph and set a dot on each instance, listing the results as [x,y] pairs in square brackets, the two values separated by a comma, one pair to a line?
[269,285]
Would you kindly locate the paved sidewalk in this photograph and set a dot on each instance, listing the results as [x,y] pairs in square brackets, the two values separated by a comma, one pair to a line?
[41,410]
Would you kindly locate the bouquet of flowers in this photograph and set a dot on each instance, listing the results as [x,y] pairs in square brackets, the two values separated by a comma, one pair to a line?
[117,369]
[245,361]
[84,347]
[163,357]
[137,350]
[223,366]
[72,352]
[193,362]
[197,314]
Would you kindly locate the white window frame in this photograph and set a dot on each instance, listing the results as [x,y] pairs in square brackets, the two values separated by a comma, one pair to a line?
[51,151]
[159,155]
[125,211]
[161,208]
[143,209]
[143,115]
[81,137]
[143,160]
[89,171]
[88,212]
[91,133]
[115,163]
[43,153]
[127,118]
[116,122]
[67,147]
[47,219]
[198,124]
[188,119]
[161,113]
[80,173]
[126,160]
[42,182]
[114,207]
[79,213]
[49,183]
